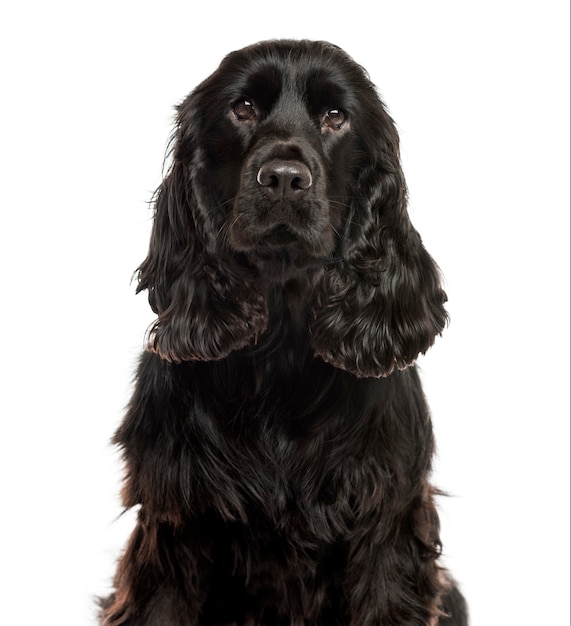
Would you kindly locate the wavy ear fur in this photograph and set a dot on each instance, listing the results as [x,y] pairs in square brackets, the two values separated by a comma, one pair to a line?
[207,304]
[381,304]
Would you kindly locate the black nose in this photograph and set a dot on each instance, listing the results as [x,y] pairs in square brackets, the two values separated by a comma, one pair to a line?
[284,179]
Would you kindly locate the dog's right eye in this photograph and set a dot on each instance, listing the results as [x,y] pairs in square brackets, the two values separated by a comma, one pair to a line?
[244,110]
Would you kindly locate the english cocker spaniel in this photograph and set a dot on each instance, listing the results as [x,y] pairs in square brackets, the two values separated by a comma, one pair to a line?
[278,442]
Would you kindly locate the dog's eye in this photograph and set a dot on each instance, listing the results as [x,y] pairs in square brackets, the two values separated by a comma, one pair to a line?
[335,118]
[244,110]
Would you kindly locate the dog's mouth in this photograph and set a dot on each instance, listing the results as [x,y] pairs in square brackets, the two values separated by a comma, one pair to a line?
[287,237]
[279,237]
[273,239]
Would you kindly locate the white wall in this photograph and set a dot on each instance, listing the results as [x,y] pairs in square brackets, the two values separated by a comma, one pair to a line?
[480,91]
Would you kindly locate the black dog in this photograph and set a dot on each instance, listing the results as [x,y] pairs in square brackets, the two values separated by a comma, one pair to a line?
[278,441]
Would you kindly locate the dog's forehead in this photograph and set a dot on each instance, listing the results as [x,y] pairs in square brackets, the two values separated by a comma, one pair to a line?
[296,66]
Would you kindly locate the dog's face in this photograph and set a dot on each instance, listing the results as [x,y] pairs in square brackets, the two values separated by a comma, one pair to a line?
[286,165]
[295,134]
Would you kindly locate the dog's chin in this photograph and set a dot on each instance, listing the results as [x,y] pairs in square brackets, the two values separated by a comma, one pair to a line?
[282,254]
[279,238]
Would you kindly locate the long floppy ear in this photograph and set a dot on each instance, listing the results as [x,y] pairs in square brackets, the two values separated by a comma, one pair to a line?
[207,303]
[381,304]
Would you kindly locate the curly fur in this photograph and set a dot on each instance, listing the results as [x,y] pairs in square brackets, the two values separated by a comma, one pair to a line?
[278,442]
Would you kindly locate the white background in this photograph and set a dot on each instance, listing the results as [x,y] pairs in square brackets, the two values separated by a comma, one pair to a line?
[480,91]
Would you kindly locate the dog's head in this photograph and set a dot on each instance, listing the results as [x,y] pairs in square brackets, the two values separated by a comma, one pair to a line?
[285,164]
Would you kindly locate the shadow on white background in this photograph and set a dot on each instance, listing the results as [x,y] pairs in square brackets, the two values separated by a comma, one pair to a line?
[480,92]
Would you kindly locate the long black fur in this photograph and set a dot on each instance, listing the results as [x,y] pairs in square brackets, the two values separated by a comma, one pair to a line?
[278,442]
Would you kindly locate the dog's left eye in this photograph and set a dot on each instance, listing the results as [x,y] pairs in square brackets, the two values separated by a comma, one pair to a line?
[244,109]
[335,118]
